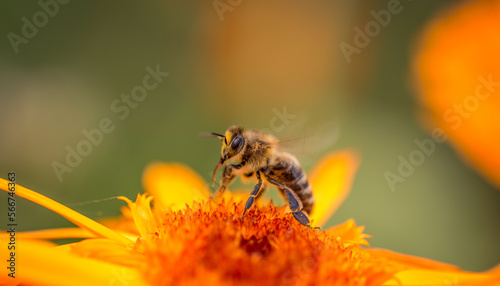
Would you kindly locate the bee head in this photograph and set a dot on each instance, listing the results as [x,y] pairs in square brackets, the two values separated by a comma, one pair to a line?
[233,143]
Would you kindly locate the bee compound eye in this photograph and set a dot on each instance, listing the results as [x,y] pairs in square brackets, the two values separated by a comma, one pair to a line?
[237,142]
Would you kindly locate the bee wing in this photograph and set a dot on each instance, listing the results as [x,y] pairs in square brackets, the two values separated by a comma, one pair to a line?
[311,142]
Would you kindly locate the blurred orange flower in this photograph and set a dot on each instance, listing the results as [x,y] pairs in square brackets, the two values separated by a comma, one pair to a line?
[202,242]
[457,69]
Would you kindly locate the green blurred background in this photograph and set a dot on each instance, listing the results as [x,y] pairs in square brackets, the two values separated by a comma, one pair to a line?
[238,66]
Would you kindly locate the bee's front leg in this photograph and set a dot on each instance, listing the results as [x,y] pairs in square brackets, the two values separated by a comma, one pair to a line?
[227,177]
[240,165]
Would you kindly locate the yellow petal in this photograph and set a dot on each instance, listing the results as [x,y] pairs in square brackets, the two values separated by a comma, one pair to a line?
[63,233]
[143,217]
[349,234]
[434,277]
[409,261]
[423,271]
[73,216]
[40,263]
[331,182]
[173,185]
[109,251]
[57,233]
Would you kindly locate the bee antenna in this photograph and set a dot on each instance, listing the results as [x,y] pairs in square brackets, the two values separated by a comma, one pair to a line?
[212,135]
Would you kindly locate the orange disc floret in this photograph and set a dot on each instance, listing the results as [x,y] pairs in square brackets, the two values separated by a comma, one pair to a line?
[457,69]
[209,242]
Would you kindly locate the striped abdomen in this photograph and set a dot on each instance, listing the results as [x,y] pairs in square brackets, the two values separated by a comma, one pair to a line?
[286,170]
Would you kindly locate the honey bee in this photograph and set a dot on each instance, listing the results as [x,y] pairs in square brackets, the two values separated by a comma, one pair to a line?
[255,155]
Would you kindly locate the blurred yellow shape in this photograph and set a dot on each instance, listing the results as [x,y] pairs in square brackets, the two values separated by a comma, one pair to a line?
[457,70]
[173,185]
[331,181]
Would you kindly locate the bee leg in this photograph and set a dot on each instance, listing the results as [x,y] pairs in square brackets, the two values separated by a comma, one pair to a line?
[262,190]
[294,203]
[302,217]
[253,195]
[240,165]
[227,178]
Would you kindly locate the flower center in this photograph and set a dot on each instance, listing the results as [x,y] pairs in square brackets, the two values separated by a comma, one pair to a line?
[209,242]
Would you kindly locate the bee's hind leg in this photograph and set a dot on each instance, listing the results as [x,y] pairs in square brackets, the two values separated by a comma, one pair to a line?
[296,207]
[294,203]
[254,194]
[302,217]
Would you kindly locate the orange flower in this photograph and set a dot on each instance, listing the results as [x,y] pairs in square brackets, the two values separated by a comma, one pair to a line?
[457,69]
[197,242]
